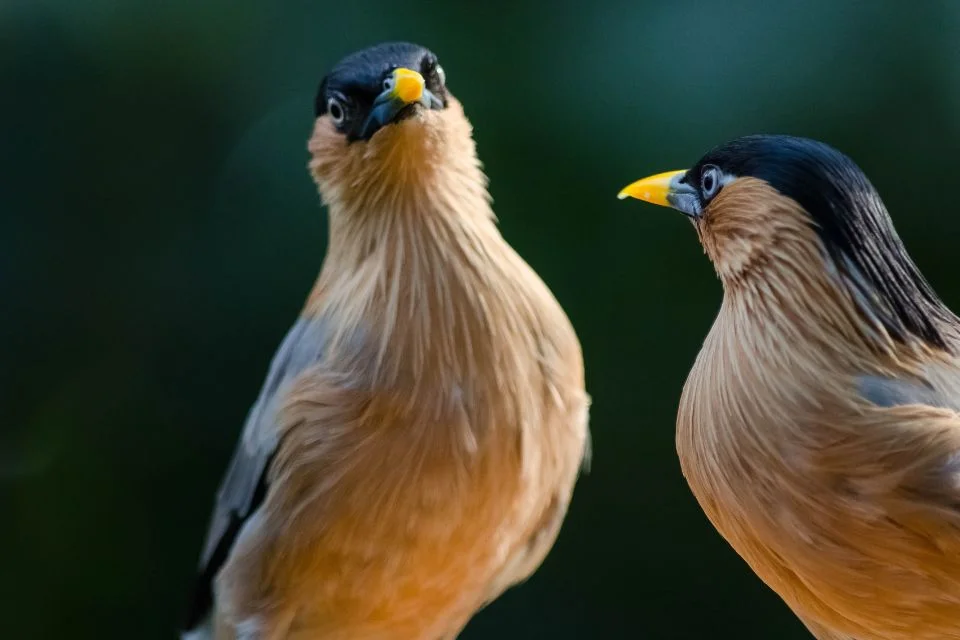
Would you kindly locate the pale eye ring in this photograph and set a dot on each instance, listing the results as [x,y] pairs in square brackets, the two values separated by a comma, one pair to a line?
[338,112]
[388,83]
[710,182]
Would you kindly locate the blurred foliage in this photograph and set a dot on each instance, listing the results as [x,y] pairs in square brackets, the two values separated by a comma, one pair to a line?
[159,231]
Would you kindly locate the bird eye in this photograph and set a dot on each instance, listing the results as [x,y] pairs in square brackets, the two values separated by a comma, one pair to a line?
[709,181]
[337,111]
[388,83]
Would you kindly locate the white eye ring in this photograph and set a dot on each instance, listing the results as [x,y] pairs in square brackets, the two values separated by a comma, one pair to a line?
[338,113]
[710,181]
[388,83]
[441,75]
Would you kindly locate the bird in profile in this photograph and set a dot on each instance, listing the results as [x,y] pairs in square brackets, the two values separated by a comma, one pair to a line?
[819,427]
[417,439]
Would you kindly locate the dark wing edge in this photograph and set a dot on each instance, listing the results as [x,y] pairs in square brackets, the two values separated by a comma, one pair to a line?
[244,486]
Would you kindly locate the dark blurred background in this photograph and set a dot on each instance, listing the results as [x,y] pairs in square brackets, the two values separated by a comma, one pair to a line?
[159,231]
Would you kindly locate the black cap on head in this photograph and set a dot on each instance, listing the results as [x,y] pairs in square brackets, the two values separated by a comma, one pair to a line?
[851,220]
[825,182]
[351,88]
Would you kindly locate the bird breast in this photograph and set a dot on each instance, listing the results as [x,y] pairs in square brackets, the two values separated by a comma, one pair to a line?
[833,503]
[471,408]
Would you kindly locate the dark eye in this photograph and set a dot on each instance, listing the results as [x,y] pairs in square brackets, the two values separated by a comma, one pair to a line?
[710,181]
[388,83]
[435,75]
[337,110]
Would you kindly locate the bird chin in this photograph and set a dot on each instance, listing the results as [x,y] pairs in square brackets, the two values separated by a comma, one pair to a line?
[409,111]
[410,129]
[399,121]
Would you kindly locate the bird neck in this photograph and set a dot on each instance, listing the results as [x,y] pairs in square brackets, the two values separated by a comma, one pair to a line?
[411,215]
[838,275]
[807,308]
[844,277]
[427,275]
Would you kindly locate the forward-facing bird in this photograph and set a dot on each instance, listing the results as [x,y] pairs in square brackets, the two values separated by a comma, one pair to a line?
[417,439]
[819,428]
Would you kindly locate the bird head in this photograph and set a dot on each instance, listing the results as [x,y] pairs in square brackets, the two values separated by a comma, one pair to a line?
[776,211]
[385,122]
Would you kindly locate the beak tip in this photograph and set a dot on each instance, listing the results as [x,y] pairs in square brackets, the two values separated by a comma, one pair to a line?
[409,86]
[623,195]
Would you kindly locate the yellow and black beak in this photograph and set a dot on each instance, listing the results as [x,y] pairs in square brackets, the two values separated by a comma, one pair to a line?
[402,90]
[668,189]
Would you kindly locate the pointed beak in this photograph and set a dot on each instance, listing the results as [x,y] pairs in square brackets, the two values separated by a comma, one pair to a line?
[403,88]
[667,190]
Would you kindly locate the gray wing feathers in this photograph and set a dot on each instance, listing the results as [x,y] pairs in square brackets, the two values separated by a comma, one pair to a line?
[301,348]
[894,392]
[244,485]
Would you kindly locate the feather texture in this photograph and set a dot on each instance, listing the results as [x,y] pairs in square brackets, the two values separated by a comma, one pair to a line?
[425,430]
[821,444]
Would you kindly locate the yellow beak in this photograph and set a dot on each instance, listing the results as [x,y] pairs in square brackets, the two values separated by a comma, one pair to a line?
[408,86]
[402,88]
[653,189]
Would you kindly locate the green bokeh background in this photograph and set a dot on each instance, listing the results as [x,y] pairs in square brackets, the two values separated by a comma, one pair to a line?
[159,231]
